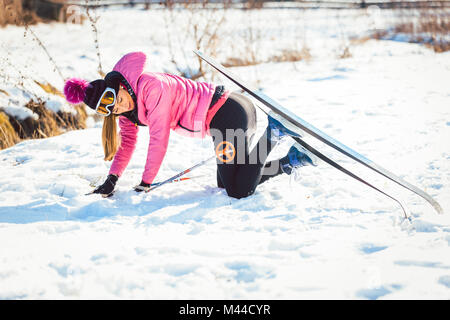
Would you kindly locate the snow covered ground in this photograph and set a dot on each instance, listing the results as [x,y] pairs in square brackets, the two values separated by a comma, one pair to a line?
[325,236]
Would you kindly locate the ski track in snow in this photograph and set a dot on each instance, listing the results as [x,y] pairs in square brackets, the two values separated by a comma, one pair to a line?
[325,236]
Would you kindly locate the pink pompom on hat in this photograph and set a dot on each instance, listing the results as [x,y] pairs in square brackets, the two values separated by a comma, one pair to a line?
[75,90]
[78,90]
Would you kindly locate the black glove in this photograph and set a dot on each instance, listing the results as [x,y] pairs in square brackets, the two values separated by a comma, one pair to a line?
[108,186]
[142,187]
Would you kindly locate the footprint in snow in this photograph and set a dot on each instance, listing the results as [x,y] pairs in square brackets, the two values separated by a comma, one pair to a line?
[445,280]
[375,293]
[370,248]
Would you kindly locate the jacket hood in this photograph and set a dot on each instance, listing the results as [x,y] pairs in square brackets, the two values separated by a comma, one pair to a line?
[131,66]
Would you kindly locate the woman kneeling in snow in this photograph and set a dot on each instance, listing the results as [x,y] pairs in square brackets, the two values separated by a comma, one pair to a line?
[163,102]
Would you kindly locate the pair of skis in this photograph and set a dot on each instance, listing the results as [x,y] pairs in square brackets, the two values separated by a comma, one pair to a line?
[318,134]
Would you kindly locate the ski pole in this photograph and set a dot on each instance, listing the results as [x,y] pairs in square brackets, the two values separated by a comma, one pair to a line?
[178,180]
[226,151]
[175,177]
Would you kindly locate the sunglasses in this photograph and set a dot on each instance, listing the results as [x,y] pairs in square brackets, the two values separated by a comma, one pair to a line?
[106,102]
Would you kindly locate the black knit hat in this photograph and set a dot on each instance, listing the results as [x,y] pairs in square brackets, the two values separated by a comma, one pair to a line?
[93,92]
[78,90]
[97,87]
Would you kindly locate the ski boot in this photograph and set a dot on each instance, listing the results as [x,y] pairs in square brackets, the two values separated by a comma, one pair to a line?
[280,128]
[297,157]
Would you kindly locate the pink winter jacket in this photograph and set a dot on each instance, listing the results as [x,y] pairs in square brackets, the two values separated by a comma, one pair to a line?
[164,102]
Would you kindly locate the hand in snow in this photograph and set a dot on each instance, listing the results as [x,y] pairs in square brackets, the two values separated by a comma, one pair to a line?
[142,187]
[108,186]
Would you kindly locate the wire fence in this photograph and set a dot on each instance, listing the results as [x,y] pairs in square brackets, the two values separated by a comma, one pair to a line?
[295,4]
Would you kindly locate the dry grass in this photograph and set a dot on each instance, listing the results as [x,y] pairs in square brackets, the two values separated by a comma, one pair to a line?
[239,62]
[47,87]
[286,55]
[359,40]
[12,12]
[8,136]
[66,120]
[254,4]
[20,12]
[48,124]
[345,53]
[436,27]
[430,27]
[292,55]
[434,22]
[439,47]
[379,34]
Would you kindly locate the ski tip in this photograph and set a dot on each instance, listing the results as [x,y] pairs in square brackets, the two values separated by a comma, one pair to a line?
[438,208]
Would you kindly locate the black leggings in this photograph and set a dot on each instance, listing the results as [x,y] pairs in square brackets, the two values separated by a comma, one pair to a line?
[234,125]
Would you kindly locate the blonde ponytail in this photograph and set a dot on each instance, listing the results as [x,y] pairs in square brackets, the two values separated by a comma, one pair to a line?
[110,138]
